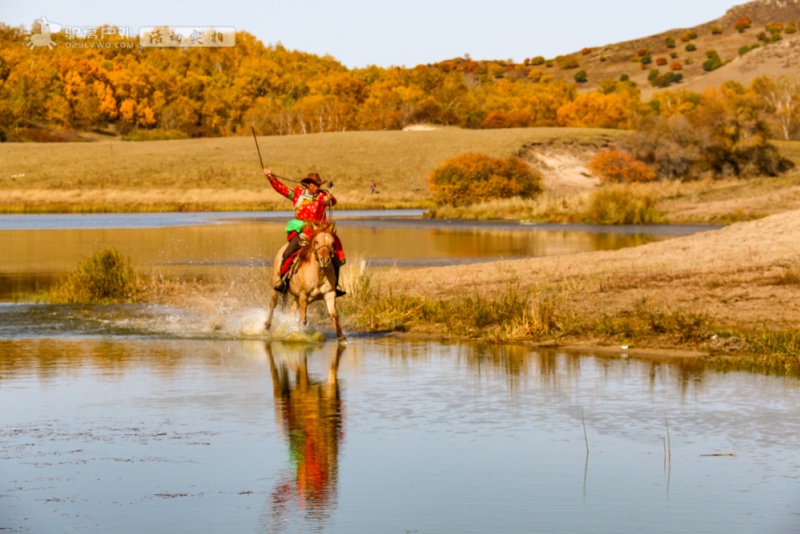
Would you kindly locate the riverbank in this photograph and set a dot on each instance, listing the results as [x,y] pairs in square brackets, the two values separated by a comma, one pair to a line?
[732,293]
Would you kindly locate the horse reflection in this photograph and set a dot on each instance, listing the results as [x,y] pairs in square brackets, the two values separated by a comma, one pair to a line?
[309,415]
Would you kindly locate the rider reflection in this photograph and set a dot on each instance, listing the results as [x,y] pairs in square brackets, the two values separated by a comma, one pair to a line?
[309,415]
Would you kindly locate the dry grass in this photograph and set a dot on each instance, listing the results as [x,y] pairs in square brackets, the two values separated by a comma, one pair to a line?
[206,173]
[223,174]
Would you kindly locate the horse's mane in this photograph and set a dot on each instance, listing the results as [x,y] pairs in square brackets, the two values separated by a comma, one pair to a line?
[316,228]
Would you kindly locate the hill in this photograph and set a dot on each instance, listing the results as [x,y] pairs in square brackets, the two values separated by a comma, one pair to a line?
[772,28]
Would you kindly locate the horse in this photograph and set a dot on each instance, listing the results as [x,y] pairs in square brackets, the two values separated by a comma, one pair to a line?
[314,277]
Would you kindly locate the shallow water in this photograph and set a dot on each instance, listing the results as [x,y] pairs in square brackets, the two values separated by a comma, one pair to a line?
[139,418]
[37,249]
[129,434]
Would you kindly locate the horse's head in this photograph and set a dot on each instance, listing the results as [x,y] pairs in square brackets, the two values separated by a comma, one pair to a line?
[321,244]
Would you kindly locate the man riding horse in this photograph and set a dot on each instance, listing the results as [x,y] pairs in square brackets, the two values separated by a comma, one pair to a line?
[310,203]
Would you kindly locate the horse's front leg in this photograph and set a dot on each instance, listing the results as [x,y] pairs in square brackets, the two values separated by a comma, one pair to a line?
[302,303]
[273,301]
[330,302]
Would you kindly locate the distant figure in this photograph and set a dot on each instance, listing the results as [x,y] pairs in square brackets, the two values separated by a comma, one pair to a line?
[372,186]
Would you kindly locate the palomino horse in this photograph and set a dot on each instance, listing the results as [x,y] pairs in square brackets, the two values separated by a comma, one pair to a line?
[314,278]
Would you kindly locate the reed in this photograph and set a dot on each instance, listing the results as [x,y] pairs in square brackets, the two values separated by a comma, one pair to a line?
[622,205]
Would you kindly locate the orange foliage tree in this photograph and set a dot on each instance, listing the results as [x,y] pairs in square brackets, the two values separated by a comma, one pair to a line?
[613,166]
[470,178]
[594,110]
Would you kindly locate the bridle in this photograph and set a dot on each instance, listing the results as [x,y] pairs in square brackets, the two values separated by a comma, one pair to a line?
[323,261]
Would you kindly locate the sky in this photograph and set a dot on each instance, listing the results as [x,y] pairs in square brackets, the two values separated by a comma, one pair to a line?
[406,33]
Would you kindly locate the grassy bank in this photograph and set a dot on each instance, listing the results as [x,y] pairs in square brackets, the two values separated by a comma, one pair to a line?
[549,317]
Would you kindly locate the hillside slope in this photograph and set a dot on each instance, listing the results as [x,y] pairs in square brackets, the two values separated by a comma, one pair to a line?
[774,59]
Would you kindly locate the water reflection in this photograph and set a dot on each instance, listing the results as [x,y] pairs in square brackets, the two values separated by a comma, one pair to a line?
[309,414]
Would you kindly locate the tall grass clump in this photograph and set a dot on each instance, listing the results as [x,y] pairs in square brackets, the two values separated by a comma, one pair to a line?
[777,351]
[103,278]
[621,205]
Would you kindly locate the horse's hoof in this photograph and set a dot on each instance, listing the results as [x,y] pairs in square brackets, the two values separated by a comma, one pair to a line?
[267,326]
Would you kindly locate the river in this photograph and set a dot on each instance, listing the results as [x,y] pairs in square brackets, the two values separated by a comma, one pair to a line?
[135,418]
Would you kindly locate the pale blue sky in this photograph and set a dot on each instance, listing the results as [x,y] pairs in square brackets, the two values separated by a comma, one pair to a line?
[403,33]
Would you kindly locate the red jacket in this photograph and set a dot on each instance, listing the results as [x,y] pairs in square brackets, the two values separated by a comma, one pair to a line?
[307,208]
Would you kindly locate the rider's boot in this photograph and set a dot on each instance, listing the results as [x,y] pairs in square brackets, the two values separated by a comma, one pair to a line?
[282,286]
[336,266]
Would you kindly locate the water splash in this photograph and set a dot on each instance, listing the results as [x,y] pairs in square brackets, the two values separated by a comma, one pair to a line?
[151,321]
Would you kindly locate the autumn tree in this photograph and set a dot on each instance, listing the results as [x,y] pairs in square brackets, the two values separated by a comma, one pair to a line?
[614,166]
[781,99]
[471,178]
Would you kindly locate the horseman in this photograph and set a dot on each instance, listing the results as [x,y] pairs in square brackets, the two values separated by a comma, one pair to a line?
[310,203]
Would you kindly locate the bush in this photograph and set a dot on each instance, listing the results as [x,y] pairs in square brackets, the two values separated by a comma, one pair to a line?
[742,24]
[103,278]
[620,205]
[613,166]
[155,135]
[691,47]
[713,62]
[581,76]
[470,178]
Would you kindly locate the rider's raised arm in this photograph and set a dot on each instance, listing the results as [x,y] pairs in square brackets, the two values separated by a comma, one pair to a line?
[277,185]
[330,200]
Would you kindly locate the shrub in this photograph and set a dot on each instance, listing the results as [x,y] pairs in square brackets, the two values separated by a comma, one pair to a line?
[690,47]
[620,205]
[713,62]
[676,65]
[567,62]
[581,76]
[613,166]
[155,135]
[661,61]
[716,30]
[538,60]
[103,278]
[470,178]
[666,79]
[502,119]
[688,35]
[670,42]
[586,51]
[742,24]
